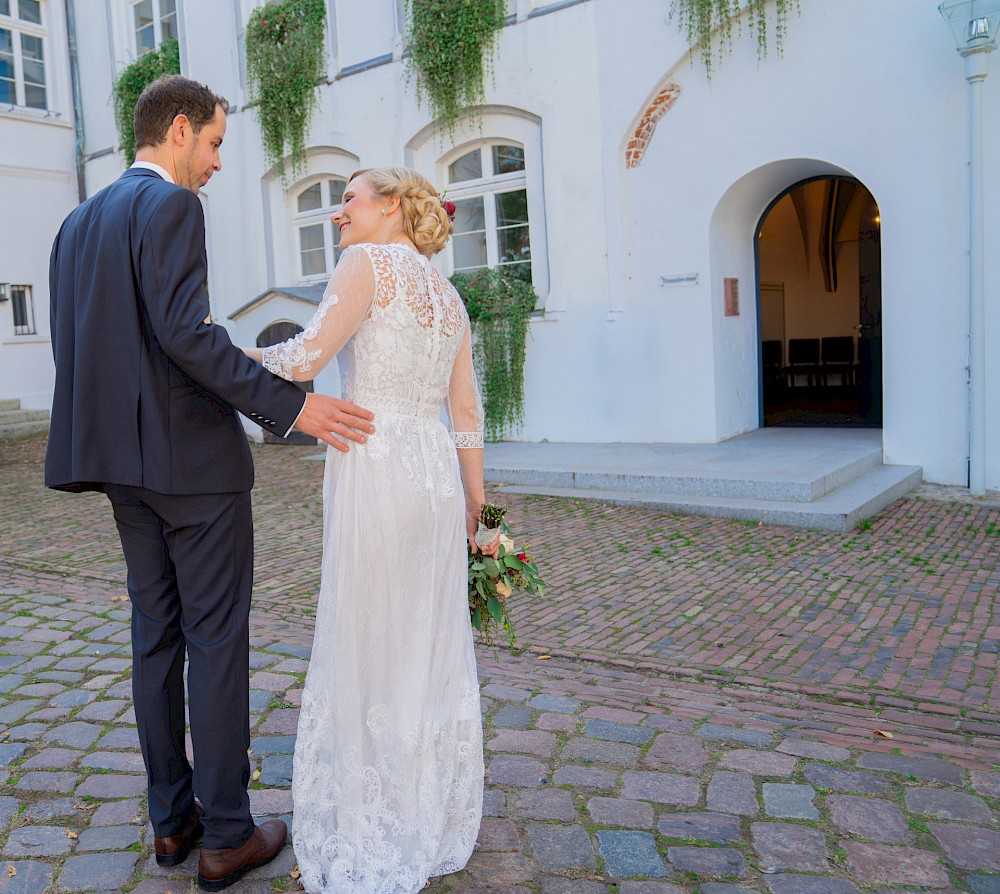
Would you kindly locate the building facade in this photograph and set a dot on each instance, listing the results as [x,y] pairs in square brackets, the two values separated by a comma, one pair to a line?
[675,227]
[38,186]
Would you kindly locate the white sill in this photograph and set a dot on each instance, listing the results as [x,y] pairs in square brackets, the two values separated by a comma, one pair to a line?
[26,340]
[548,316]
[35,116]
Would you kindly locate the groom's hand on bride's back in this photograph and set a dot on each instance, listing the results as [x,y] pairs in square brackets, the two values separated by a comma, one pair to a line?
[332,419]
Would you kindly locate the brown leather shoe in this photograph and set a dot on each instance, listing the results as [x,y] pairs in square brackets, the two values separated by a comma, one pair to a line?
[218,869]
[173,849]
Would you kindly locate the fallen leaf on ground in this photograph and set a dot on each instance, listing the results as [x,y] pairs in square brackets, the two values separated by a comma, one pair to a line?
[295,873]
[85,806]
[256,775]
[11,871]
[544,657]
[882,734]
[72,836]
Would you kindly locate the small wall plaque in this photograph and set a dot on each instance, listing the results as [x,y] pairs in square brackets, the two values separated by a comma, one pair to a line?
[669,280]
[731,296]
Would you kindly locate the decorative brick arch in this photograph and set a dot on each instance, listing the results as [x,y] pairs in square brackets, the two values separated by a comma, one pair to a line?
[643,132]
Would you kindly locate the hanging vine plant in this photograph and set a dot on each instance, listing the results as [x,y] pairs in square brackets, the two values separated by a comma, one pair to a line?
[708,25]
[132,81]
[499,306]
[285,63]
[451,47]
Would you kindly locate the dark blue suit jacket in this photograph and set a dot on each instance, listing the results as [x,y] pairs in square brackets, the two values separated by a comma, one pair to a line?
[145,390]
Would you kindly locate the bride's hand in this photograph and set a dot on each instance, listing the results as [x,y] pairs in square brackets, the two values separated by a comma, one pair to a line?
[471,526]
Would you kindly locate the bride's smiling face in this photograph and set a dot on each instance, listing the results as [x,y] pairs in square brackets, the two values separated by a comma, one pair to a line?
[362,215]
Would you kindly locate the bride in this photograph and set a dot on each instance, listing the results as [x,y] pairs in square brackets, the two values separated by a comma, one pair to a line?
[388,768]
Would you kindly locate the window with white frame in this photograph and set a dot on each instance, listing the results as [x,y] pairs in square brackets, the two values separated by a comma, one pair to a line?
[153,21]
[24,315]
[22,54]
[489,188]
[317,238]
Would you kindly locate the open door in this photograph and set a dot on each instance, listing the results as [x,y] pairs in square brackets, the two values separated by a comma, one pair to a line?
[820,296]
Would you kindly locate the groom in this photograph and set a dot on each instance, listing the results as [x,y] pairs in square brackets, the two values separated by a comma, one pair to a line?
[143,410]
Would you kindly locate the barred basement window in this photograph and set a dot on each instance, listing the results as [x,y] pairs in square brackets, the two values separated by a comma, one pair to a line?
[24,315]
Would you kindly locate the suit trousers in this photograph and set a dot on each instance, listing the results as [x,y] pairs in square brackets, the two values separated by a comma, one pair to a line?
[190,575]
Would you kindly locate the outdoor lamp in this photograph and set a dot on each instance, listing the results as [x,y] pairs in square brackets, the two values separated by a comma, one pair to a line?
[974,25]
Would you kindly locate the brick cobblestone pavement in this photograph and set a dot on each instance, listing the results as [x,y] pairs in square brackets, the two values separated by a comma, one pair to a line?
[699,705]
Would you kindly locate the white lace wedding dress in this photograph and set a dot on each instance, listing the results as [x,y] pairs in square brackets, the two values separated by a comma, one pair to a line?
[388,768]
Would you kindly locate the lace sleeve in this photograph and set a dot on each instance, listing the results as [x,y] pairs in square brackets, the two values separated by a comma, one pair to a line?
[465,408]
[351,291]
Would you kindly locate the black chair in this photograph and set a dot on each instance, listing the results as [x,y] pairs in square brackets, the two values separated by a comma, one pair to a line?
[803,360]
[837,358]
[771,361]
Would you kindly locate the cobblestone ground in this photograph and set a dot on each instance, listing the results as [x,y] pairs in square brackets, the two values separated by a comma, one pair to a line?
[700,705]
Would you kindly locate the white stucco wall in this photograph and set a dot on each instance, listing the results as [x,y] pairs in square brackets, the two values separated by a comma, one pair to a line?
[38,188]
[869,90]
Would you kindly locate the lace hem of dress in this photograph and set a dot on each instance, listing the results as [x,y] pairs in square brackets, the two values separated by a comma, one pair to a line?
[467,439]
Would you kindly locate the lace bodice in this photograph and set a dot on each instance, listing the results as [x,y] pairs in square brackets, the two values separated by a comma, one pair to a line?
[403,338]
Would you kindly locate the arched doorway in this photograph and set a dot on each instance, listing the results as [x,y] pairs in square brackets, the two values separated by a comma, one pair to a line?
[818,256]
[272,335]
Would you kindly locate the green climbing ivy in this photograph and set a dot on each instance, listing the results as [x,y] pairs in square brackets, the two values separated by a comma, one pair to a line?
[285,62]
[499,305]
[451,47]
[708,25]
[166,59]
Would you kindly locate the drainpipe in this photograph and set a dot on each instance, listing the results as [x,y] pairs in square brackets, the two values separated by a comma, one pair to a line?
[74,73]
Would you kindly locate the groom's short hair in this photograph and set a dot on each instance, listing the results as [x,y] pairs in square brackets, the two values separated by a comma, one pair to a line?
[165,99]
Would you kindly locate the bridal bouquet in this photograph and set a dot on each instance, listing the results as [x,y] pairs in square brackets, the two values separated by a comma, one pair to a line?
[492,581]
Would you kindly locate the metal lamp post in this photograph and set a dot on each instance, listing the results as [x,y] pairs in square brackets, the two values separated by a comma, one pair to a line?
[974,25]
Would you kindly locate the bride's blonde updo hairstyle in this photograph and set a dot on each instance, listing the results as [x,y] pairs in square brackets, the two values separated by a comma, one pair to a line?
[424,218]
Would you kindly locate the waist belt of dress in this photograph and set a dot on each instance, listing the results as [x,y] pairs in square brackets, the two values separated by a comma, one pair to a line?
[396,407]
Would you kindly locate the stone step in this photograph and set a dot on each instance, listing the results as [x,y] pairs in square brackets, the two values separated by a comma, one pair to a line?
[840,509]
[15,430]
[12,417]
[786,466]
[787,486]
[8,403]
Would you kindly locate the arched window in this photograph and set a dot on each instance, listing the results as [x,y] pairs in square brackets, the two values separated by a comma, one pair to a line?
[153,21]
[274,334]
[317,238]
[489,188]
[23,75]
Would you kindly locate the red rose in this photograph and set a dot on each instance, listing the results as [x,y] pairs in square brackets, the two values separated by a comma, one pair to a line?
[523,557]
[449,209]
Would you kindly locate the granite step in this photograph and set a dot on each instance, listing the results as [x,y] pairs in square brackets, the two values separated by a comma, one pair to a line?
[16,423]
[12,417]
[840,509]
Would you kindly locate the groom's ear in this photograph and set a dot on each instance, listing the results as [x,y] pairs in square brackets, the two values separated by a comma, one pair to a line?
[181,130]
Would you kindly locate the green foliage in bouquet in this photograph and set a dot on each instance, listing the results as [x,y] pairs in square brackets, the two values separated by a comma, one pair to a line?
[450,46]
[499,306]
[705,23]
[492,581]
[285,62]
[134,78]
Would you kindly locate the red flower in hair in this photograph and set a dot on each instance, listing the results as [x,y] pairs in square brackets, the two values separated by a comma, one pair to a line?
[449,209]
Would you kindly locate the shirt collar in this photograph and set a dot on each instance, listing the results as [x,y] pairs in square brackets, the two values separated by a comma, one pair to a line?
[153,166]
